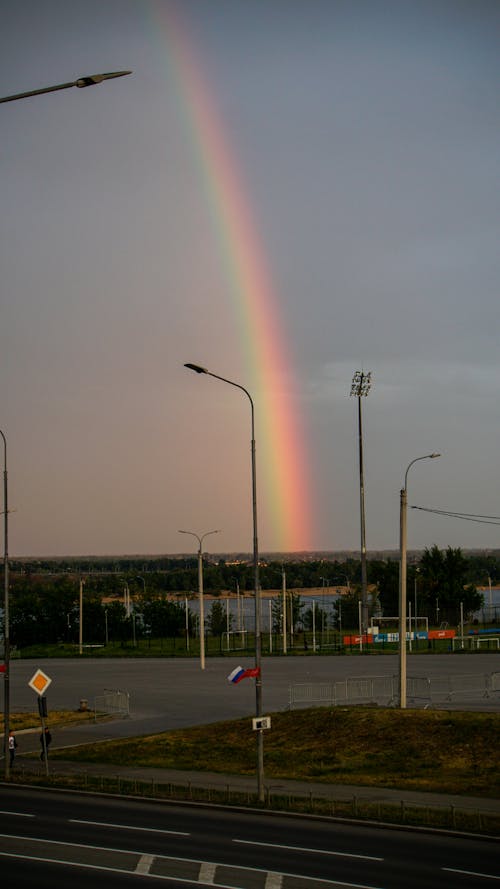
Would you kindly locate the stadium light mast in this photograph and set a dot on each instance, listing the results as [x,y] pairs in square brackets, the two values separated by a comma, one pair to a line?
[360,387]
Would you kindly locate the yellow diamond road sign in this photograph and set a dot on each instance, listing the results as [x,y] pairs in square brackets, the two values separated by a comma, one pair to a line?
[40,682]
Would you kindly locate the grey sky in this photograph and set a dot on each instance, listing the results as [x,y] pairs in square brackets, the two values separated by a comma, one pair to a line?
[367,134]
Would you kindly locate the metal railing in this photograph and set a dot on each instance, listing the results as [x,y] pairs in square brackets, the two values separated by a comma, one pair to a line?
[384,690]
[113,703]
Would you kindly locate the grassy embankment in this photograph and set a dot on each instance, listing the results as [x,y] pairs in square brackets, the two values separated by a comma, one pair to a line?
[439,751]
[20,722]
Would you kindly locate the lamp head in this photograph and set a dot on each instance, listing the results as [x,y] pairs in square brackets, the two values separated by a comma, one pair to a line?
[197,369]
[92,79]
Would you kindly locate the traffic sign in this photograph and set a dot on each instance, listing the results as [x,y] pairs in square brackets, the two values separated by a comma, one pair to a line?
[261,722]
[40,682]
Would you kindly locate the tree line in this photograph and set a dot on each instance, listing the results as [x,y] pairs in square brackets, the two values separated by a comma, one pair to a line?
[45,607]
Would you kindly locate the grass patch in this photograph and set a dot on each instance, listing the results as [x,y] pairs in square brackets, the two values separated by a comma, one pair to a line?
[414,749]
[57,718]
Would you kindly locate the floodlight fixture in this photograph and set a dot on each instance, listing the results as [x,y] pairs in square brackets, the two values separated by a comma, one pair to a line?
[361,383]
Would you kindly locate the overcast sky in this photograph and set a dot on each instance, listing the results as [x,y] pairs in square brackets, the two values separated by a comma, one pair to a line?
[364,141]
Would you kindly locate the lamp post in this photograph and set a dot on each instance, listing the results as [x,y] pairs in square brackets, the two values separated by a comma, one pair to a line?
[87,80]
[361,383]
[402,581]
[81,82]
[80,627]
[283,590]
[6,632]
[200,590]
[258,678]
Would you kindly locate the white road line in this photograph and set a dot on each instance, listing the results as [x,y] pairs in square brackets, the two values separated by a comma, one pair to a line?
[175,833]
[144,864]
[207,872]
[83,864]
[17,814]
[471,873]
[274,881]
[305,849]
[167,878]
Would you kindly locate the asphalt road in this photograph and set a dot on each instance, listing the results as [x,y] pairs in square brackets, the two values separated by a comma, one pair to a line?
[84,838]
[167,693]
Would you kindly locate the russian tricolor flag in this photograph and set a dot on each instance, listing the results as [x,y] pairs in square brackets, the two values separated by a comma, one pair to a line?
[240,673]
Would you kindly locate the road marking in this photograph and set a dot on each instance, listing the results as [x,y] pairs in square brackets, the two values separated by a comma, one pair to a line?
[18,814]
[144,864]
[471,873]
[207,872]
[305,849]
[274,881]
[207,875]
[176,833]
[84,864]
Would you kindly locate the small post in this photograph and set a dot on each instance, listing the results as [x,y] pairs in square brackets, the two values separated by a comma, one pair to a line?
[42,709]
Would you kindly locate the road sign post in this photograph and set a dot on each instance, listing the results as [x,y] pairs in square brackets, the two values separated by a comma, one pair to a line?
[40,682]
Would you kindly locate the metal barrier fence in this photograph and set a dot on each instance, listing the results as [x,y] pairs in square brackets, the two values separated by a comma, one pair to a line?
[384,690]
[374,689]
[113,703]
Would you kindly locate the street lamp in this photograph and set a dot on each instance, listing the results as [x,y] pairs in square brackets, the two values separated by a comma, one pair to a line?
[6,633]
[81,82]
[88,80]
[200,590]
[258,678]
[361,383]
[402,581]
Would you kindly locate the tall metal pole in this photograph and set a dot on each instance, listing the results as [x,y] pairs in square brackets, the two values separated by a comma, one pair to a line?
[402,597]
[257,597]
[200,590]
[403,504]
[361,383]
[283,580]
[81,82]
[6,630]
[80,628]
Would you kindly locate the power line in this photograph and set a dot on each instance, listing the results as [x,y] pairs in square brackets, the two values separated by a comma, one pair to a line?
[465,516]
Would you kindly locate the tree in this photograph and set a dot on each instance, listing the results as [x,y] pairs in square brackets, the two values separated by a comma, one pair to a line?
[443,576]
[348,606]
[116,621]
[386,576]
[39,610]
[320,618]
[217,620]
[163,618]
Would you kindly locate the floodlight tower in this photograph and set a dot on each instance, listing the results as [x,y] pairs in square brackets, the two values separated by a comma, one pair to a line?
[361,383]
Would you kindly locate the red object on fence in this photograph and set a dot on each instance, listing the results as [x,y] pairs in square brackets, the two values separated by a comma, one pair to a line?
[441,634]
[356,640]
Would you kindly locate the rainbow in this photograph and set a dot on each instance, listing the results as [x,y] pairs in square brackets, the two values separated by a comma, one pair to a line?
[281,454]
